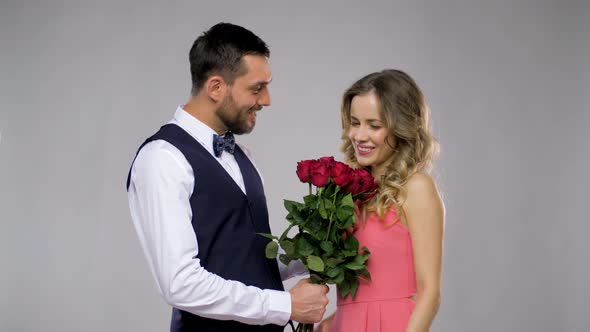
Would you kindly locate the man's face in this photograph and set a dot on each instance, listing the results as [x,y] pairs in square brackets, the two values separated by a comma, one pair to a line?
[246,96]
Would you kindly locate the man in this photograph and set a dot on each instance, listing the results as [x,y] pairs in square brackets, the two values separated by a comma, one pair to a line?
[197,200]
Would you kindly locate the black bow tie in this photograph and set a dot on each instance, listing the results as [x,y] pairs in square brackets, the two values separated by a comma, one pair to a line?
[225,142]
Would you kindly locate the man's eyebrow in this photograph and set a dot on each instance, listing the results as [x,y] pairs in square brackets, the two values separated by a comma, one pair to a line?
[261,83]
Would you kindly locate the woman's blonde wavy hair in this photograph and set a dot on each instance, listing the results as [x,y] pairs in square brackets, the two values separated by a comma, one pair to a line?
[406,116]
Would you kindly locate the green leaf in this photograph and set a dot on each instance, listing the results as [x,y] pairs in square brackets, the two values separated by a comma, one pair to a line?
[327,247]
[290,218]
[348,222]
[315,279]
[285,259]
[333,272]
[354,266]
[297,216]
[362,258]
[268,236]
[321,235]
[338,279]
[315,263]
[328,189]
[290,205]
[323,212]
[344,212]
[367,274]
[333,262]
[310,200]
[303,247]
[288,246]
[328,204]
[349,253]
[347,201]
[351,243]
[286,232]
[272,248]
[353,288]
[344,288]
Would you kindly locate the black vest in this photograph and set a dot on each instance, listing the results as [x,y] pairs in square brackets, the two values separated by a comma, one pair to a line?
[225,222]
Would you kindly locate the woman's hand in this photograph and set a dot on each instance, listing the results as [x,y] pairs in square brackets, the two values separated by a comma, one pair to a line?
[325,325]
[345,233]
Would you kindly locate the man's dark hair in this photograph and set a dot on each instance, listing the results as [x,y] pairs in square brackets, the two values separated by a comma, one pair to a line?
[219,51]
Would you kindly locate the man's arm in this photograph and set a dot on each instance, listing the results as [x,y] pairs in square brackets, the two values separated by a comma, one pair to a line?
[160,189]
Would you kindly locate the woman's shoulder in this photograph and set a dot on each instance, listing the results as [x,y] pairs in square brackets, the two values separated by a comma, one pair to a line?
[421,190]
[421,183]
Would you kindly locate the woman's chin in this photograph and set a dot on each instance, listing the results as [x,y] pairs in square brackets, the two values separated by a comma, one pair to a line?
[363,161]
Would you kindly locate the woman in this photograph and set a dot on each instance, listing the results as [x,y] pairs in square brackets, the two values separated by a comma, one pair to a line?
[385,123]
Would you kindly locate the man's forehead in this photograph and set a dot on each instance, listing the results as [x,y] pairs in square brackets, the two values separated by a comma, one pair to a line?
[257,69]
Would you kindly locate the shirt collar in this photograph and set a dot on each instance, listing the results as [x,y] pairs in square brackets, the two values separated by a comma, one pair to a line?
[197,129]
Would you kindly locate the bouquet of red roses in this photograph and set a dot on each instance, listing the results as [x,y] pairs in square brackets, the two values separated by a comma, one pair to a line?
[321,219]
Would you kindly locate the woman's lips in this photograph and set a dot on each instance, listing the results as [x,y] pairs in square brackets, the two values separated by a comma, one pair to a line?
[364,150]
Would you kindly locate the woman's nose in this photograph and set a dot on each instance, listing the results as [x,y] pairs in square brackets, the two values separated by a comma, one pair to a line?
[361,134]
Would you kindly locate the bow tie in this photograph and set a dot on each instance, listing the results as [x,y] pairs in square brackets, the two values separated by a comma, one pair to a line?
[225,142]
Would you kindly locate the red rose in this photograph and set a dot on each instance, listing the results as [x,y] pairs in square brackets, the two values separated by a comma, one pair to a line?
[329,162]
[341,174]
[304,170]
[356,184]
[362,182]
[368,183]
[320,174]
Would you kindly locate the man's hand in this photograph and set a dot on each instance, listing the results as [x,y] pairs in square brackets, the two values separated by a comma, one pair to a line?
[308,302]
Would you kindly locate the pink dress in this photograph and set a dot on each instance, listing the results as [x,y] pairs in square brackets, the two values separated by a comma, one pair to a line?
[385,304]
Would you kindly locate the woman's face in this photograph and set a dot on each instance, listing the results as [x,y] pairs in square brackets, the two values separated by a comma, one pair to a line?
[367,132]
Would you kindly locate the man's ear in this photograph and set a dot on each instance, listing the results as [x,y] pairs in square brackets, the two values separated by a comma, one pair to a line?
[215,88]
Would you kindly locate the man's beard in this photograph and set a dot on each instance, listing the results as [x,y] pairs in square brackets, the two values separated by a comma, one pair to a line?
[233,118]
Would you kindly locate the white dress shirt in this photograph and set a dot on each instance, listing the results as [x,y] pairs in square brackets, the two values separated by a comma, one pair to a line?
[162,183]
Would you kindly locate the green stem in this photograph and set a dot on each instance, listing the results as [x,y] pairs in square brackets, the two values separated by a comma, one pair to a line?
[319,193]
[331,216]
[304,327]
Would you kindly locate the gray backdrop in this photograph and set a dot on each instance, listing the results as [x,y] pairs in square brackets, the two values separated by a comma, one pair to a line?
[84,82]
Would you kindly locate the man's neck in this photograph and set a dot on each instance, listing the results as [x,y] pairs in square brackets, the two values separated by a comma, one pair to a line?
[204,111]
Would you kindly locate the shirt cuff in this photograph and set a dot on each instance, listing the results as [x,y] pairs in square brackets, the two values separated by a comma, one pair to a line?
[279,309]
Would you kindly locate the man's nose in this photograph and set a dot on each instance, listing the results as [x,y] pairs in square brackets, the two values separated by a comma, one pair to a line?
[264,99]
